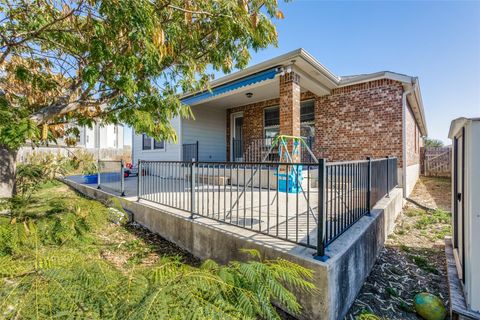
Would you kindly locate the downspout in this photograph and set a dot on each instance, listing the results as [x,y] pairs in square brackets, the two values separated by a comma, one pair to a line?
[404,135]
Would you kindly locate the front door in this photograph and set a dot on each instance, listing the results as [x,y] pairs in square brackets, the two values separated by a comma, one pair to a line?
[237,135]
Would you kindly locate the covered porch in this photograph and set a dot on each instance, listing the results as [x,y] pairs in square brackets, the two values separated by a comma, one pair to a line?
[240,116]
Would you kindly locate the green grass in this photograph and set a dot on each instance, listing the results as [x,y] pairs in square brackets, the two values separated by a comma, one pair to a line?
[429,218]
[391,291]
[367,315]
[423,263]
[420,258]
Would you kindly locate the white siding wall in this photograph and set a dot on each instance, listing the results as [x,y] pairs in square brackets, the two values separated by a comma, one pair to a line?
[209,128]
[472,214]
[120,138]
[105,133]
[172,151]
[89,137]
[81,141]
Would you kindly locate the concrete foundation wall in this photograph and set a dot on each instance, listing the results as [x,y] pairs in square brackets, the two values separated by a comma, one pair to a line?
[338,279]
[413,172]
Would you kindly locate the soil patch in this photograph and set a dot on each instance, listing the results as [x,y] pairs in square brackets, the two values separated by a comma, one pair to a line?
[413,259]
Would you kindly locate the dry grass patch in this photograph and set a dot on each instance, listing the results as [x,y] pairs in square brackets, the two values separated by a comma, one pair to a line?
[413,259]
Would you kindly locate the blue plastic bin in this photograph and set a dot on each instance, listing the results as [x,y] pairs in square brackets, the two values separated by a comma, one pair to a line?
[294,184]
[90,178]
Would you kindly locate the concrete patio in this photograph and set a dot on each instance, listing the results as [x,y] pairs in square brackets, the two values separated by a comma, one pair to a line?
[289,216]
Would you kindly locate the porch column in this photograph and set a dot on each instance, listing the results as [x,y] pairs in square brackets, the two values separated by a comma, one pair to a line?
[290,105]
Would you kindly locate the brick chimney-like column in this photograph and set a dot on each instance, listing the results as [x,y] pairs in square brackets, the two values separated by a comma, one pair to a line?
[290,105]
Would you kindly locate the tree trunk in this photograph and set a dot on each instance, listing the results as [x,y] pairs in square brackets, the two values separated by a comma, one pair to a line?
[8,162]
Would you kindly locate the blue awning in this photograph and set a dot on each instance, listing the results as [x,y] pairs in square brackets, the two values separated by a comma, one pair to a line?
[243,82]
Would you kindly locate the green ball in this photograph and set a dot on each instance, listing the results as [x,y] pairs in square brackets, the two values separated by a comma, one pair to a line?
[429,306]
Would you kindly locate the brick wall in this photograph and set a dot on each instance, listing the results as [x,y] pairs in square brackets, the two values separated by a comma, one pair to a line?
[290,104]
[351,123]
[413,139]
[359,121]
[253,119]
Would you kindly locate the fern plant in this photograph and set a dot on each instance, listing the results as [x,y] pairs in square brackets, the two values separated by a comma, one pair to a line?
[66,285]
[51,266]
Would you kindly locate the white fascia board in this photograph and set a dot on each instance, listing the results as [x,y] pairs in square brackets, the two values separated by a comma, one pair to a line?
[419,100]
[458,124]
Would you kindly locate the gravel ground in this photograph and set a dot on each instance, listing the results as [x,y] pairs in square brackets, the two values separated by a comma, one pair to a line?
[413,259]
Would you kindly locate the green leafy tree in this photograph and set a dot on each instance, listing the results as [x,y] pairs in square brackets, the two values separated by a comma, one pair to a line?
[429,142]
[124,61]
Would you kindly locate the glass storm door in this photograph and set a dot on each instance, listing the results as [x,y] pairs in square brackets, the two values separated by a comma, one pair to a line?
[237,141]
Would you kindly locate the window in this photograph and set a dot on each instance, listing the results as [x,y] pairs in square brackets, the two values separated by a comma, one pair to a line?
[158,144]
[146,142]
[271,122]
[307,111]
[272,117]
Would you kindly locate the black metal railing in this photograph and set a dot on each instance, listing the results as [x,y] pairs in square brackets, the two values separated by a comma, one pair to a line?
[306,156]
[166,182]
[384,177]
[345,193]
[190,151]
[111,175]
[309,204]
[261,150]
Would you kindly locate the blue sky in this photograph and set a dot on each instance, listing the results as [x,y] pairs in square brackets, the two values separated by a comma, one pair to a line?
[437,41]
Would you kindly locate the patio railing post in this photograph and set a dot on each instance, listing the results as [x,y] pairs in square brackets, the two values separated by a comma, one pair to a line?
[321,209]
[122,179]
[192,188]
[139,176]
[196,151]
[388,186]
[369,185]
[98,174]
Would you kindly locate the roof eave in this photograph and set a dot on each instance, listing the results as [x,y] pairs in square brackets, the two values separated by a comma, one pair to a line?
[275,62]
[376,76]
[457,124]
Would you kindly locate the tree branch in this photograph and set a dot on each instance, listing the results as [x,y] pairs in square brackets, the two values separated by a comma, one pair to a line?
[30,35]
[197,12]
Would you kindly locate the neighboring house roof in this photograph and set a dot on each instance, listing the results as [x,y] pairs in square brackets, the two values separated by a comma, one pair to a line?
[457,124]
[314,77]
[359,78]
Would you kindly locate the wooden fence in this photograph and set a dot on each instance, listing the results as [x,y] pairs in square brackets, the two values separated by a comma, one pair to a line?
[436,161]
